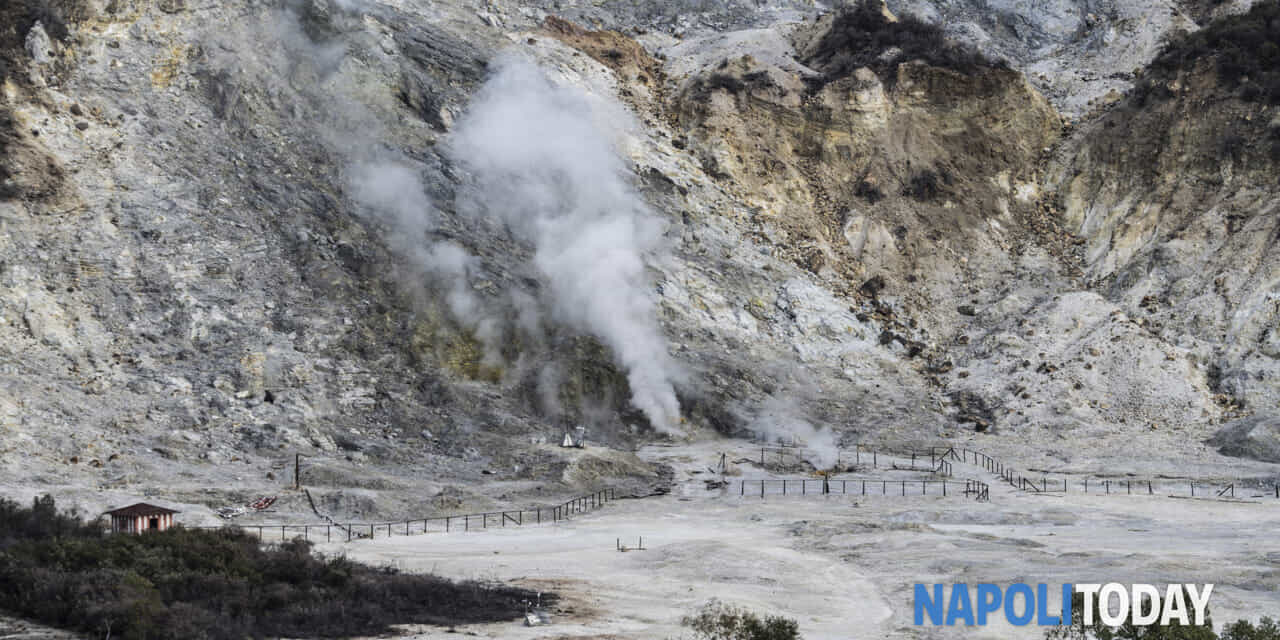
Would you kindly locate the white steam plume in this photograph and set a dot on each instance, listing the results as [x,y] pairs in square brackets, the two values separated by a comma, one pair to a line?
[780,419]
[544,164]
[392,191]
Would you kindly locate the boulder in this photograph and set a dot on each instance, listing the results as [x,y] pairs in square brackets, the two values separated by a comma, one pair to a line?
[1256,437]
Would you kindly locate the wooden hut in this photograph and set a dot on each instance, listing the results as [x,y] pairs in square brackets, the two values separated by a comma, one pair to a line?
[140,517]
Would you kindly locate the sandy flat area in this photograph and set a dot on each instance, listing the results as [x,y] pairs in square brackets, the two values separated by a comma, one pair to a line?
[844,566]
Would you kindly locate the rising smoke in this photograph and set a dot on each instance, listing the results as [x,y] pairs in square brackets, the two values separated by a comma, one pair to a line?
[544,165]
[541,162]
[780,419]
[390,189]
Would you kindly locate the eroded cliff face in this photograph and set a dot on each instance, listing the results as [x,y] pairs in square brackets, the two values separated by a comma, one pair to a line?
[905,192]
[921,196]
[1174,193]
[202,277]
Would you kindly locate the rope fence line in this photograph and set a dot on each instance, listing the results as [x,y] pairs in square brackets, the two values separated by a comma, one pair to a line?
[335,530]
[862,455]
[940,461]
[1104,486]
[976,489]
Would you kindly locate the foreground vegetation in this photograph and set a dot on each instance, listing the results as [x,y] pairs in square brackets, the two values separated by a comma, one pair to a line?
[1266,629]
[718,621]
[181,583]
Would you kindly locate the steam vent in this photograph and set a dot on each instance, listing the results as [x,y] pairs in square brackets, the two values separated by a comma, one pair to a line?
[714,319]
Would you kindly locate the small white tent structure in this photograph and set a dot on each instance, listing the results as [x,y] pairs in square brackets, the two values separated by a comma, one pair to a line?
[577,442]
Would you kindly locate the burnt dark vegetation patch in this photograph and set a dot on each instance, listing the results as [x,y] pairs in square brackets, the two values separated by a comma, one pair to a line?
[185,583]
[868,191]
[18,16]
[53,15]
[1244,50]
[927,185]
[861,36]
[8,136]
[723,81]
[702,88]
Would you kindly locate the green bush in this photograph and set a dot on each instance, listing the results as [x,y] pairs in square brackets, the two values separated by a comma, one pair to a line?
[718,621]
[215,584]
[1266,629]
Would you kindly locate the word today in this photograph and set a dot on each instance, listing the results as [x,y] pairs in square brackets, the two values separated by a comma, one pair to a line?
[1021,603]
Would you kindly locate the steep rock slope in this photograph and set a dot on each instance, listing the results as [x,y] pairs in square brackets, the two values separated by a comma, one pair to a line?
[1175,192]
[916,191]
[235,231]
[191,293]
[195,287]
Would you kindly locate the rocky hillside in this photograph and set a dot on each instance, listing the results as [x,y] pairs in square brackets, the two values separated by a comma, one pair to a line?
[417,242]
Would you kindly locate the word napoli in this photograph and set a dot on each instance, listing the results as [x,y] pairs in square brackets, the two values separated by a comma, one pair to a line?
[1021,603]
